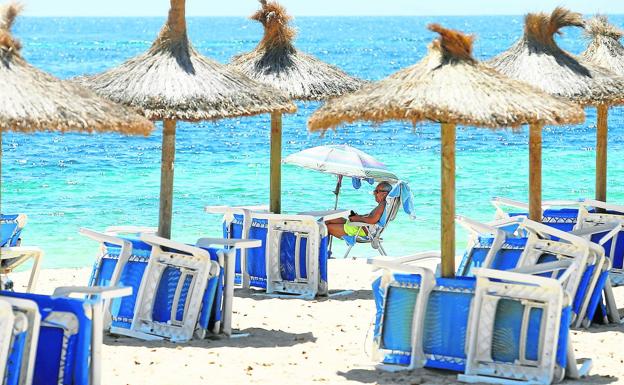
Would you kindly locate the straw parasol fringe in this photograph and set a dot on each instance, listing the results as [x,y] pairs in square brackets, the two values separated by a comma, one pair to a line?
[448,85]
[32,100]
[277,62]
[605,48]
[537,59]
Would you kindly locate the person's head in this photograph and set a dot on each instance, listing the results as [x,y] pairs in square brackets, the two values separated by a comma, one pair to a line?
[381,191]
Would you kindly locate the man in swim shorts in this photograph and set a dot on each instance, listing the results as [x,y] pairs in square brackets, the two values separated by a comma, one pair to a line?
[340,227]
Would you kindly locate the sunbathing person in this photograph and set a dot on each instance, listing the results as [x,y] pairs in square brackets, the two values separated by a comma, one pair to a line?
[340,227]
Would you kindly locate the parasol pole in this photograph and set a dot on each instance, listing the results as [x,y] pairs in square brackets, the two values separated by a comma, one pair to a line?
[535,172]
[337,191]
[447,239]
[601,153]
[275,204]
[166,178]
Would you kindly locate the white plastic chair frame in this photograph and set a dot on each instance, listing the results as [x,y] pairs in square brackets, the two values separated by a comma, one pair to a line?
[21,254]
[7,320]
[95,297]
[29,311]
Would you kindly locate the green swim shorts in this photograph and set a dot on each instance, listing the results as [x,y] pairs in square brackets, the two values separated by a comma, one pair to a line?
[353,230]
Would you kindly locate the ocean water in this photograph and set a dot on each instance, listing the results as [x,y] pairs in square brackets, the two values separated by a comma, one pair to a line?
[64,182]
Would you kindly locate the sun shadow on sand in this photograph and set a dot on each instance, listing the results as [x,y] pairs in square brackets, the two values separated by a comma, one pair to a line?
[439,377]
[334,295]
[258,338]
[418,376]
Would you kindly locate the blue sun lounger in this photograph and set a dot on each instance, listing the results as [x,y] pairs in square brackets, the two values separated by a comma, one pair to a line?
[294,252]
[68,345]
[533,243]
[12,254]
[23,342]
[600,222]
[178,289]
[496,327]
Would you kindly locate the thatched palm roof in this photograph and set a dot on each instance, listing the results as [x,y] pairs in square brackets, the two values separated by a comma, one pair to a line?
[276,61]
[605,48]
[32,100]
[536,59]
[448,86]
[173,81]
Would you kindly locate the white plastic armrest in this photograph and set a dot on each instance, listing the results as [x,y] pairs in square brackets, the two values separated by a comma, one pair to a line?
[101,291]
[392,265]
[236,243]
[510,203]
[602,205]
[130,229]
[405,260]
[153,239]
[327,214]
[474,226]
[101,237]
[536,227]
[19,251]
[612,228]
[507,275]
[543,267]
[237,209]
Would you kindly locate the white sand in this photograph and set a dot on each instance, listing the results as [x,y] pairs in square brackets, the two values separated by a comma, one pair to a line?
[295,341]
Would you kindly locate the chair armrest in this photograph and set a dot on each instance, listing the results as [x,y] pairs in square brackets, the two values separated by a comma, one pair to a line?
[536,227]
[155,240]
[19,251]
[130,229]
[602,205]
[236,243]
[101,237]
[327,215]
[478,227]
[392,265]
[611,228]
[509,276]
[101,291]
[500,201]
[403,261]
[236,209]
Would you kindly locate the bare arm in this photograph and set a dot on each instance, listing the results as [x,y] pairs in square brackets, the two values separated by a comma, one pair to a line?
[372,217]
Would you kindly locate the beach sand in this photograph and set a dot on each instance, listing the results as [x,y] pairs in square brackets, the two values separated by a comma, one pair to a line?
[295,341]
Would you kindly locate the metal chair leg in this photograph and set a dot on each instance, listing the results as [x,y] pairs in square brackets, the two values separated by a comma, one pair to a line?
[348,251]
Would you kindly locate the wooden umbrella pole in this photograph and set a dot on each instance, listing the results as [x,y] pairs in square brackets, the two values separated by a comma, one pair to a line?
[275,203]
[601,153]
[448,200]
[535,172]
[166,178]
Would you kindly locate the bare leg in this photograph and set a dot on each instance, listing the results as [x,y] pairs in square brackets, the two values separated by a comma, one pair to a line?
[336,229]
[340,221]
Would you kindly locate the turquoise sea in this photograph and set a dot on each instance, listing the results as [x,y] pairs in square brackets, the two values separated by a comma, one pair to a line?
[64,182]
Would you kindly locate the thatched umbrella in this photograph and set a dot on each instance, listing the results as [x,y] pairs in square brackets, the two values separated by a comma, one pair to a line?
[171,82]
[605,50]
[32,100]
[450,87]
[276,62]
[536,59]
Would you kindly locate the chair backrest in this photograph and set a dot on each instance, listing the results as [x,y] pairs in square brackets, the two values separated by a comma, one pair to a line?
[23,349]
[11,227]
[64,342]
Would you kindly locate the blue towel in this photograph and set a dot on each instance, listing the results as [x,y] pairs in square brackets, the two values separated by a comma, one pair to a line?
[403,191]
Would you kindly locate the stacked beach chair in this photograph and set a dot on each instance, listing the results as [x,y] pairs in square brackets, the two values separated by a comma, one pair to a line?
[178,290]
[292,259]
[504,319]
[13,254]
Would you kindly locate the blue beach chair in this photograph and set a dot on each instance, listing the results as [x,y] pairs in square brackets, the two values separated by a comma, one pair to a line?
[180,289]
[293,256]
[23,344]
[69,343]
[497,327]
[534,243]
[12,254]
[600,222]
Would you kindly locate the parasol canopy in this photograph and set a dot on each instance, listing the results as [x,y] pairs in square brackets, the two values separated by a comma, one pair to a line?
[605,48]
[33,100]
[451,87]
[342,160]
